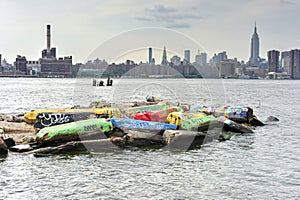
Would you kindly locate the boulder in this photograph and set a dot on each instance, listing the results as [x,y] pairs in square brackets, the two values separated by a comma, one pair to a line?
[3,147]
[9,127]
[100,145]
[184,139]
[144,138]
[6,118]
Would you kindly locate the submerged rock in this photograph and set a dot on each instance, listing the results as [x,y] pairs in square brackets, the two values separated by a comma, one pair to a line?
[272,119]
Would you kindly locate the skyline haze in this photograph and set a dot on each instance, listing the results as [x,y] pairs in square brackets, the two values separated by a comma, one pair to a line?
[79,27]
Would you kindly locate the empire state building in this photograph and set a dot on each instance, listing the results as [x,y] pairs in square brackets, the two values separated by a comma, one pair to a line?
[254,50]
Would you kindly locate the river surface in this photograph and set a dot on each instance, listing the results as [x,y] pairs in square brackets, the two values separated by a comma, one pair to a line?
[263,165]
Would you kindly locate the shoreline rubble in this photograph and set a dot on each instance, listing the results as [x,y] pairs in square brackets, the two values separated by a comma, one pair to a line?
[142,125]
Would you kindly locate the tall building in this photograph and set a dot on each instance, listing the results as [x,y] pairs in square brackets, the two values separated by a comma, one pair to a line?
[187,56]
[273,60]
[295,63]
[254,49]
[198,57]
[222,56]
[150,56]
[50,65]
[21,64]
[203,58]
[164,57]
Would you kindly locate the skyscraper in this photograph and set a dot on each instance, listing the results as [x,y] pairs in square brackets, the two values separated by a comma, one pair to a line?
[295,63]
[203,58]
[164,57]
[150,56]
[273,60]
[254,49]
[187,56]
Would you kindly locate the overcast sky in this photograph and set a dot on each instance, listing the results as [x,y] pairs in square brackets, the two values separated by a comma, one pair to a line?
[81,26]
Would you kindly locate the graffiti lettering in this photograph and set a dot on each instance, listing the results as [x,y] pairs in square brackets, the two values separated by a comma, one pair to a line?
[91,127]
[50,119]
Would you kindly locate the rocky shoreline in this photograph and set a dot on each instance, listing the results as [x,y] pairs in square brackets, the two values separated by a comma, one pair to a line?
[162,125]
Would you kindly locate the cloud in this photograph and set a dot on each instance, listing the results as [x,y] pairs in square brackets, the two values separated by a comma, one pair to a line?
[163,9]
[287,2]
[179,25]
[169,17]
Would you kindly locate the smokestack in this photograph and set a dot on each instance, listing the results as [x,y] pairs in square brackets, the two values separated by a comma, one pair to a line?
[48,39]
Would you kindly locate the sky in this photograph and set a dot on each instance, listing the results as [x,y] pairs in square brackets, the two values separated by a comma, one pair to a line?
[126,28]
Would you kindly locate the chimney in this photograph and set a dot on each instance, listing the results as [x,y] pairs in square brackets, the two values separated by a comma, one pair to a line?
[48,39]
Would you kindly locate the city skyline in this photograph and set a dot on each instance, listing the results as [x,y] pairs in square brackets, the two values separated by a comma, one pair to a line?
[81,26]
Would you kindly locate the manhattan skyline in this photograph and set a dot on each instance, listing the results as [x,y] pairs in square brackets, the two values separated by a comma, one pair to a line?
[79,27]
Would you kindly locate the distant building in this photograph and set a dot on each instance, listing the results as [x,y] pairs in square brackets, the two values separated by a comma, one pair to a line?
[61,67]
[187,56]
[273,60]
[284,54]
[150,56]
[1,69]
[175,60]
[33,67]
[295,63]
[226,68]
[21,65]
[203,58]
[50,66]
[164,57]
[198,57]
[254,48]
[222,56]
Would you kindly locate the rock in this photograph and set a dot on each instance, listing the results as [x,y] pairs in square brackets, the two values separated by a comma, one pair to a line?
[272,119]
[3,147]
[9,142]
[6,118]
[21,148]
[22,138]
[256,122]
[9,127]
[19,119]
[184,140]
[144,138]
[80,146]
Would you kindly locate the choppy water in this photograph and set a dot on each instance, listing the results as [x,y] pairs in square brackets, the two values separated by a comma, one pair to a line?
[263,165]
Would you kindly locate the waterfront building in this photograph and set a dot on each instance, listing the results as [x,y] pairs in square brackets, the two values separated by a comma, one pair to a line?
[33,67]
[273,61]
[295,63]
[227,68]
[254,48]
[164,57]
[50,65]
[187,56]
[20,65]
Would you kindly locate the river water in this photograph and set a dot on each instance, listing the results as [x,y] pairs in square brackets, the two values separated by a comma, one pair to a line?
[263,165]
